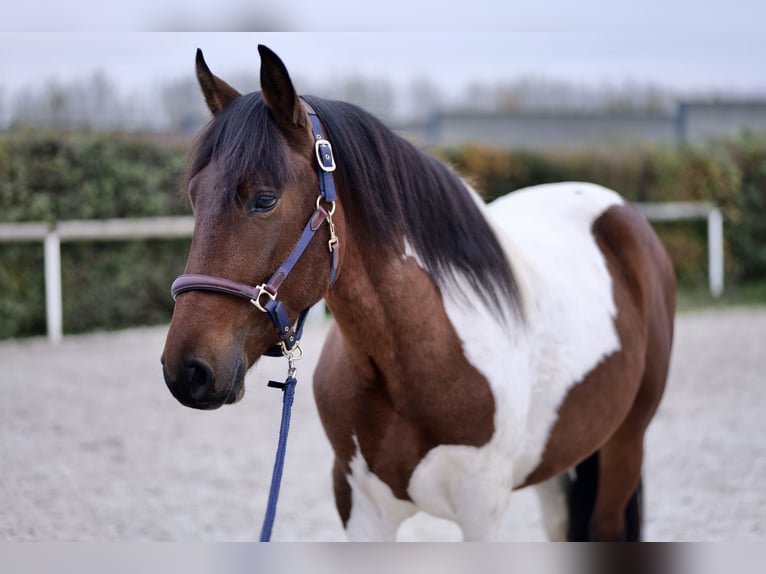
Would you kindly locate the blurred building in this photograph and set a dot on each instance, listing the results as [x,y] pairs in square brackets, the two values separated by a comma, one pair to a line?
[690,122]
[698,121]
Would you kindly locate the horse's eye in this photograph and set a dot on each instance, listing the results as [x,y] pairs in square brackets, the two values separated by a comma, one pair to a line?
[262,202]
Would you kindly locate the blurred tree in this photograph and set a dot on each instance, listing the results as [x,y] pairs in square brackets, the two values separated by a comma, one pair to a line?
[425,98]
[478,97]
[94,102]
[537,93]
[376,95]
[183,105]
[176,105]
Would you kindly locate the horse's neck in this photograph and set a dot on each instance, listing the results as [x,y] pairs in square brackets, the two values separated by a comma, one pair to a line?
[387,310]
[398,341]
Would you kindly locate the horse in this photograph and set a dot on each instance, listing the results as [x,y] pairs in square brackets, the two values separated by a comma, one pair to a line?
[474,350]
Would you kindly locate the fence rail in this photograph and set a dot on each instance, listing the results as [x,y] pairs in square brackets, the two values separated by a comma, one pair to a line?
[99,230]
[53,234]
[680,211]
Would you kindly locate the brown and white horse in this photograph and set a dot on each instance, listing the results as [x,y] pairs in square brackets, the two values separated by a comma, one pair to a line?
[476,349]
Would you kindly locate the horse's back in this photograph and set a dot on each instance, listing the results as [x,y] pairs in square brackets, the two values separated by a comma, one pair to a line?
[551,227]
[531,211]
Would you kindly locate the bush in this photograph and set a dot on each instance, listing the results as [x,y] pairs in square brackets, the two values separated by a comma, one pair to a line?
[50,177]
[120,285]
[731,173]
[746,210]
[22,303]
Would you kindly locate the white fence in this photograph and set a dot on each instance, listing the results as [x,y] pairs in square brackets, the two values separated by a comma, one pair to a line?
[51,235]
[679,211]
[101,230]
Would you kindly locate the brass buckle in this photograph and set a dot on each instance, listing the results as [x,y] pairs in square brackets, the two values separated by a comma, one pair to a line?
[261,290]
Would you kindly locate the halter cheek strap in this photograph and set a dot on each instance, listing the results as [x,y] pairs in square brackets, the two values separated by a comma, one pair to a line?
[264,296]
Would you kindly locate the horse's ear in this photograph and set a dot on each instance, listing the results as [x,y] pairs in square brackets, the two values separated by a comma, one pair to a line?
[280,95]
[218,94]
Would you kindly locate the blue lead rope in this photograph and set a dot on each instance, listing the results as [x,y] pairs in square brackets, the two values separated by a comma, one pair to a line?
[278,316]
[288,390]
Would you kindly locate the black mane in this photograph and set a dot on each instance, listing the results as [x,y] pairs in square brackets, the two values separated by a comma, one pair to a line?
[243,138]
[395,189]
[390,188]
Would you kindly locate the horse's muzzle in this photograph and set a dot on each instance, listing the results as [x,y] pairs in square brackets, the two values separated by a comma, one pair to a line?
[194,384]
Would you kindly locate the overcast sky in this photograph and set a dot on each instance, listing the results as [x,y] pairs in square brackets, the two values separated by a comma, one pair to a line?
[684,59]
[710,46]
[400,15]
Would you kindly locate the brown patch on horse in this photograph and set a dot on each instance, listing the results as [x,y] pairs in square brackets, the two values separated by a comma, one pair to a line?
[597,407]
[398,405]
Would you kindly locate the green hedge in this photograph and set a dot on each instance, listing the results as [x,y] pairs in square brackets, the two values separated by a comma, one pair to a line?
[49,177]
[731,173]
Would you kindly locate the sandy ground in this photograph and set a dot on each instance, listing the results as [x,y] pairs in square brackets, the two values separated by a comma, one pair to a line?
[93,446]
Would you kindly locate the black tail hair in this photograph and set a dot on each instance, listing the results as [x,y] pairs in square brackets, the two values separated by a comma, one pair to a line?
[582,499]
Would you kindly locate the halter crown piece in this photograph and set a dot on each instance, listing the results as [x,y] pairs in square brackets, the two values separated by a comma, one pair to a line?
[289,335]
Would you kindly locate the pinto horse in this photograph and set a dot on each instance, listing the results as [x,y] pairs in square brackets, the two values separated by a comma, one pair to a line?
[476,349]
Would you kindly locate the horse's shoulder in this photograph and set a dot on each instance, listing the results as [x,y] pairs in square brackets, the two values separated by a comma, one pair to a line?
[334,366]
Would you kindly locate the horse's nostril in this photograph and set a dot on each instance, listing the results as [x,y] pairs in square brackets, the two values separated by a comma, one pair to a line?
[200,378]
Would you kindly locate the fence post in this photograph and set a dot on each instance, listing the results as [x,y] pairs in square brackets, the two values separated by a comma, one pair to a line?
[53,299]
[715,251]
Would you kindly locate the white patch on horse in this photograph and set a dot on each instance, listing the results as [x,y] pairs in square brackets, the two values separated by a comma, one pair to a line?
[569,309]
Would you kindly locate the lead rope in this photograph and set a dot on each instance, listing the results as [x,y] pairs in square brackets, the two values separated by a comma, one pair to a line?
[327,193]
[288,395]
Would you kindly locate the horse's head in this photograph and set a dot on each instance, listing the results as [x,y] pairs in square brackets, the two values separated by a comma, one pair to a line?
[253,186]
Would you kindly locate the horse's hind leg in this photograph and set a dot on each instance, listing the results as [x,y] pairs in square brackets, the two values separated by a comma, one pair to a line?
[617,512]
[582,492]
[620,461]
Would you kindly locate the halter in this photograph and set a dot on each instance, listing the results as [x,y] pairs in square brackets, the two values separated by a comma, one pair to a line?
[289,335]
[264,296]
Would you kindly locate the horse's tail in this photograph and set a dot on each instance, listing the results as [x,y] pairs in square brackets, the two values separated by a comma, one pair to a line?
[582,500]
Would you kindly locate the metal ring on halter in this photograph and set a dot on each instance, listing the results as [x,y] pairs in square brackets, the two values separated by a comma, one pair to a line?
[261,290]
[291,354]
[331,212]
